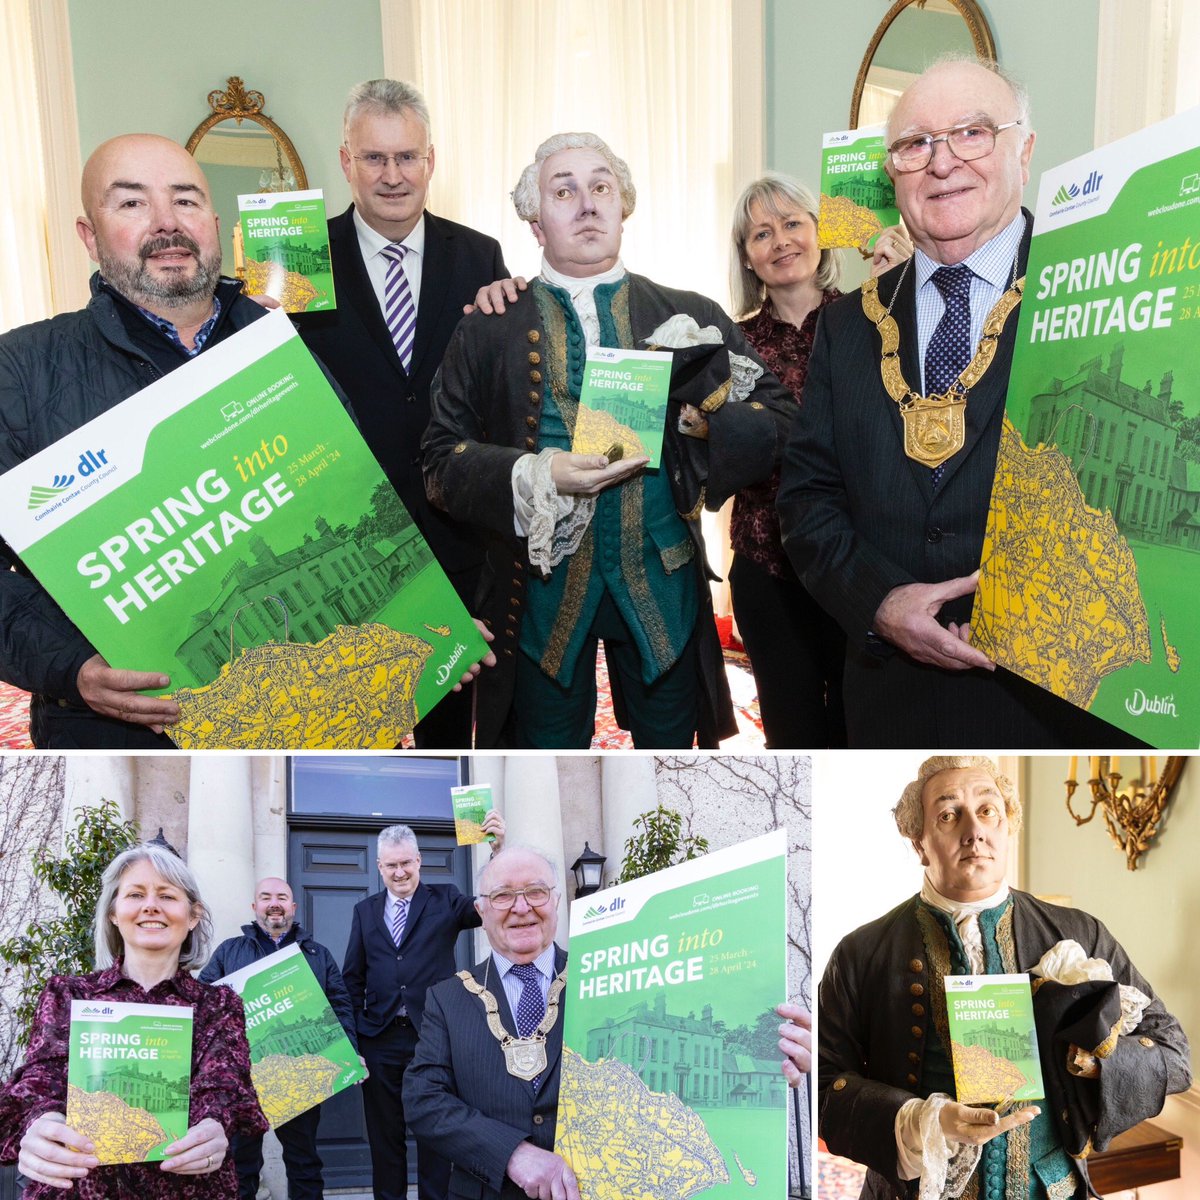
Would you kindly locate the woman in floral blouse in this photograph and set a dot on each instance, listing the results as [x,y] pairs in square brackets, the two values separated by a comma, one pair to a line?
[152,928]
[781,280]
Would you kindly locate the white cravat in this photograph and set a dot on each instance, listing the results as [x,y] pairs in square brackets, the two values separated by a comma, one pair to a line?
[583,294]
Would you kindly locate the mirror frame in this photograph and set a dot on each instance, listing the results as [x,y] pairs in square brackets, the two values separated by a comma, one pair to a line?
[241,105]
[969,10]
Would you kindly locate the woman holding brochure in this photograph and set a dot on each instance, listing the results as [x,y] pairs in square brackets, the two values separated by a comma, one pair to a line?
[151,928]
[781,280]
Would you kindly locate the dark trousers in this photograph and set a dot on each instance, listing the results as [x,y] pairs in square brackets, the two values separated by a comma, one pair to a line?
[447,726]
[797,652]
[660,716]
[387,1057]
[298,1138]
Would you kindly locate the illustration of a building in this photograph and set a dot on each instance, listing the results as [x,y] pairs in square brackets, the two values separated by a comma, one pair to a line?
[686,1056]
[866,190]
[296,1037]
[304,260]
[146,1090]
[1011,1044]
[1121,440]
[1183,504]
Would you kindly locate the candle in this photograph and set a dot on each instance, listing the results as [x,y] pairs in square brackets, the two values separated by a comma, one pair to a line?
[1071,769]
[1094,767]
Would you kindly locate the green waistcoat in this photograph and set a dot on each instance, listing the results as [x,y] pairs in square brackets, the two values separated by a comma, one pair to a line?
[1028,1163]
[637,548]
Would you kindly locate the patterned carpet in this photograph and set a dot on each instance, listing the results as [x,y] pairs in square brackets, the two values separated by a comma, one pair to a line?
[14,711]
[838,1178]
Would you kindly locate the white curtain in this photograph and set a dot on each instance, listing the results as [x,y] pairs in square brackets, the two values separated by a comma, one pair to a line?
[24,266]
[654,78]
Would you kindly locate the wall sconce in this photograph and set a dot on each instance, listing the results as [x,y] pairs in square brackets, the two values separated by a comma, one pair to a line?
[1131,814]
[589,871]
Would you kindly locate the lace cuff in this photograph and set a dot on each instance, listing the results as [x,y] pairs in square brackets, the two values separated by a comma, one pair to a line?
[944,1168]
[554,524]
[745,373]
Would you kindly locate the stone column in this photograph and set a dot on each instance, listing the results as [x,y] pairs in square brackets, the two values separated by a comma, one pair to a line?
[91,778]
[220,847]
[628,789]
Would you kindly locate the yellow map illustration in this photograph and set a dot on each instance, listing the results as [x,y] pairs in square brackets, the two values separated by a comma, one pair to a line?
[1172,651]
[293,291]
[626,1142]
[596,431]
[1058,600]
[468,833]
[122,1134]
[288,1086]
[354,690]
[844,223]
[980,1077]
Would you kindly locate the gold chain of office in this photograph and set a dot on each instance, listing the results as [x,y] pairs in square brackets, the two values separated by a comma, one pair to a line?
[935,427]
[524,1057]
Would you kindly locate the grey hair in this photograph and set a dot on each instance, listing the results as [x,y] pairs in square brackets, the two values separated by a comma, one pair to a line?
[910,812]
[391,96]
[108,941]
[395,835]
[527,195]
[1020,92]
[511,849]
[779,195]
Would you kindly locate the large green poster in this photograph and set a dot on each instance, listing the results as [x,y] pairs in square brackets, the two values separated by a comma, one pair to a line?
[299,1052]
[229,526]
[129,1071]
[1092,556]
[663,1093]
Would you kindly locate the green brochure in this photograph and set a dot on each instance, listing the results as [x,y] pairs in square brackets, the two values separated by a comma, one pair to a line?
[129,1070]
[299,1052]
[229,526]
[857,197]
[623,403]
[286,243]
[671,1080]
[472,803]
[992,1039]
[1091,561]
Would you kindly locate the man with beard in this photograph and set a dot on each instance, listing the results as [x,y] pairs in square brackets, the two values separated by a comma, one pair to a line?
[274,928]
[157,301]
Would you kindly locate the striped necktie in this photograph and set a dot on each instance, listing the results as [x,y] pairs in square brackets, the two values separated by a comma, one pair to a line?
[399,311]
[949,349]
[399,917]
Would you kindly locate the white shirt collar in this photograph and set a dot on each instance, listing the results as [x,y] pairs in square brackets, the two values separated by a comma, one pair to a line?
[544,962]
[961,908]
[373,242]
[993,260]
[574,285]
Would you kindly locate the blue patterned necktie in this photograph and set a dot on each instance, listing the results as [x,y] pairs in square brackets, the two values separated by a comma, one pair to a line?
[399,918]
[531,1006]
[949,349]
[399,311]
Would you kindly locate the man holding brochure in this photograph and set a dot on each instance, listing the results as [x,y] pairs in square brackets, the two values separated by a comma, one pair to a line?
[888,472]
[591,546]
[274,927]
[1109,1055]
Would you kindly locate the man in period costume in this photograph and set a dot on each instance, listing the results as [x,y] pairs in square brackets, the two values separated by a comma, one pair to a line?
[883,511]
[582,548]
[1110,1055]
[402,276]
[401,943]
[491,1107]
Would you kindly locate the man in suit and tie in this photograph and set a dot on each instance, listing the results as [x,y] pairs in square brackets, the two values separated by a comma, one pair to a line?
[401,943]
[888,471]
[491,1109]
[402,276]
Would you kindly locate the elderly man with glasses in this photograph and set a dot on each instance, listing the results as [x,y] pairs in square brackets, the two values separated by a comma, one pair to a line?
[888,472]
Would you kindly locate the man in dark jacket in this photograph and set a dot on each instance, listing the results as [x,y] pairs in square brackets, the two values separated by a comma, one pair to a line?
[274,928]
[157,301]
[402,943]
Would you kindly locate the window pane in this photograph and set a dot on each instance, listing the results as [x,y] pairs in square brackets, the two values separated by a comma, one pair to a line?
[367,785]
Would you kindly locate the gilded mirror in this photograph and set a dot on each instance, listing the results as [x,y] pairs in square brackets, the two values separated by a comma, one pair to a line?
[242,150]
[911,35]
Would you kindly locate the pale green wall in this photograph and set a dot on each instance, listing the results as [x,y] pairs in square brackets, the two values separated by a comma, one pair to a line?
[1153,911]
[814,48]
[142,66]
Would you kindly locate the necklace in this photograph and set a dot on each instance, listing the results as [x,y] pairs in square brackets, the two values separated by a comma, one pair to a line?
[525,1057]
[935,427]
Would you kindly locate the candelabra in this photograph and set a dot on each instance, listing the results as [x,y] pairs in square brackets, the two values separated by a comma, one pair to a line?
[1132,813]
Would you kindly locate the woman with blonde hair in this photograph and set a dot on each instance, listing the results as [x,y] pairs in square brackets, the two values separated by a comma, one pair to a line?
[151,930]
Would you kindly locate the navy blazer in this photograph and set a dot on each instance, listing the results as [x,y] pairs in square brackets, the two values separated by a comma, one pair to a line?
[392,405]
[460,1100]
[381,977]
